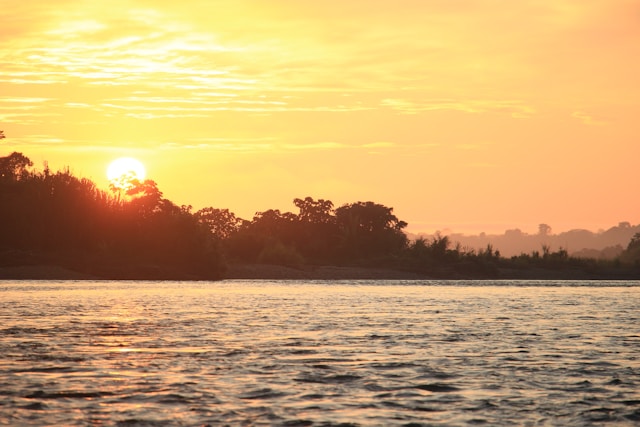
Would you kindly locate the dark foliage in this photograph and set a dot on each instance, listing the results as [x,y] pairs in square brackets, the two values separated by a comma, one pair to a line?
[632,253]
[134,232]
[57,218]
[317,234]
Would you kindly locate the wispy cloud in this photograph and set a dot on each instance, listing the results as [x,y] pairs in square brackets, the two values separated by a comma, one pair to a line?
[266,144]
[588,119]
[34,140]
[379,144]
[415,59]
[407,106]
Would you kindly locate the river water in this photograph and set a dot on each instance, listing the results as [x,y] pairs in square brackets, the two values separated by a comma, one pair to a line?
[305,353]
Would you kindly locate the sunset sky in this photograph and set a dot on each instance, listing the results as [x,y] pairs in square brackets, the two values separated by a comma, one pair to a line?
[462,115]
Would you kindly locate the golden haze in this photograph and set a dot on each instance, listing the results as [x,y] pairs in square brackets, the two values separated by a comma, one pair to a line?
[472,115]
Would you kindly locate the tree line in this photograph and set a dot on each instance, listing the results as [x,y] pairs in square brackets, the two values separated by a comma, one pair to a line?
[604,244]
[55,217]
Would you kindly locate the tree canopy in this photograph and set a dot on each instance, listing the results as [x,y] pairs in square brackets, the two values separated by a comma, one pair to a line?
[134,232]
[58,218]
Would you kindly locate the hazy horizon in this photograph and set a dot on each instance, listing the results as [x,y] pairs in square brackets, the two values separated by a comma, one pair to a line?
[474,116]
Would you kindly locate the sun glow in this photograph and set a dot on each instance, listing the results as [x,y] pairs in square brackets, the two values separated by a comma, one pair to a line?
[123,170]
[289,109]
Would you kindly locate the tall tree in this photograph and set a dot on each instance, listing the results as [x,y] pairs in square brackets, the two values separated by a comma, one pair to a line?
[56,217]
[632,253]
[317,234]
[14,166]
[314,211]
[544,230]
[370,229]
[222,223]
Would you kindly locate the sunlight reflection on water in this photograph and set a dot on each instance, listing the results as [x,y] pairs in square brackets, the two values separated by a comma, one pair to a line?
[319,353]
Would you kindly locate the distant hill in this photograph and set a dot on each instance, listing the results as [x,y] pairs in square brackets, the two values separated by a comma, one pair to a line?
[607,244]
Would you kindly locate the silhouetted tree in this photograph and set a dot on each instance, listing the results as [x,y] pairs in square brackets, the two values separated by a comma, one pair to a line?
[315,211]
[632,253]
[265,229]
[59,218]
[318,234]
[544,230]
[220,222]
[439,246]
[369,229]
[144,197]
[14,166]
[275,224]
[134,232]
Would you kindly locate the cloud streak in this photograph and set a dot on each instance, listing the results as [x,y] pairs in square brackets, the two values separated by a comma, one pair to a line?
[424,52]
[347,88]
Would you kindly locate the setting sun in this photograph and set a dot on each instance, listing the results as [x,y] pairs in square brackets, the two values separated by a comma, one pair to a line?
[528,110]
[427,210]
[124,169]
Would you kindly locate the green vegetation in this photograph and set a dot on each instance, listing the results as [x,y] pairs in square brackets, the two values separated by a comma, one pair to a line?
[58,219]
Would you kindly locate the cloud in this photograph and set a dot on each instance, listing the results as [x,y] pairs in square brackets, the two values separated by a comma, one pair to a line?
[249,145]
[137,70]
[270,144]
[220,146]
[380,144]
[34,140]
[515,109]
[414,59]
[313,146]
[588,119]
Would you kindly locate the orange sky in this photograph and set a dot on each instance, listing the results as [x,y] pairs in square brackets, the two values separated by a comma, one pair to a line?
[469,115]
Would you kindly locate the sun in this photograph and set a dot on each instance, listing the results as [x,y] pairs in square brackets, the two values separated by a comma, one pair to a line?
[123,170]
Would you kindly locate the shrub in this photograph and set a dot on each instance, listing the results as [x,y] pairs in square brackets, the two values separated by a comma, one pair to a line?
[280,254]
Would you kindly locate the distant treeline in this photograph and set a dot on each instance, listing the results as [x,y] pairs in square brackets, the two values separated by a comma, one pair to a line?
[54,217]
[605,244]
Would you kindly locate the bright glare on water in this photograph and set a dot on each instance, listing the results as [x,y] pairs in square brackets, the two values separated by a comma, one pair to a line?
[351,353]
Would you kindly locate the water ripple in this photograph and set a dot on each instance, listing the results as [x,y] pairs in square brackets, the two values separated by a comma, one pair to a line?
[319,354]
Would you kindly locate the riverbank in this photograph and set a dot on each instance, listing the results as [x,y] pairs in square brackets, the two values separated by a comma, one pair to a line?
[276,272]
[42,272]
[236,271]
[327,272]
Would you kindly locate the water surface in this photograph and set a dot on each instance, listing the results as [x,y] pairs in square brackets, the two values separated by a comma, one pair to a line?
[300,353]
